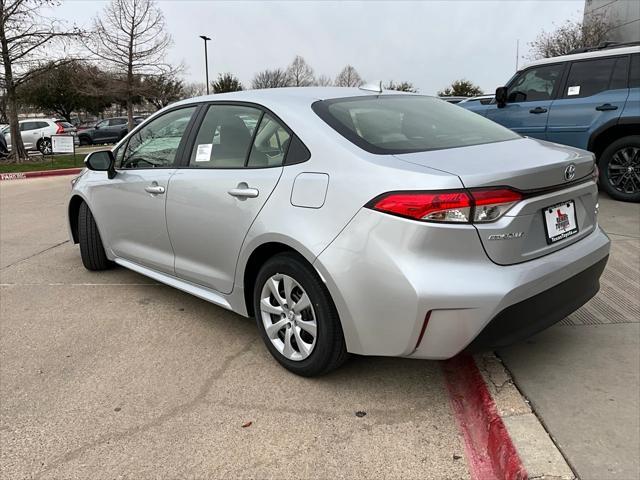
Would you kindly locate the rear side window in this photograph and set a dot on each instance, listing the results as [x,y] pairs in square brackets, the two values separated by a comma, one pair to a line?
[391,124]
[270,144]
[117,121]
[590,77]
[225,137]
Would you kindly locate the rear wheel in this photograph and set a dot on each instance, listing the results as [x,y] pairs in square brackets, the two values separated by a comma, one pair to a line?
[91,248]
[44,146]
[297,318]
[620,169]
[85,140]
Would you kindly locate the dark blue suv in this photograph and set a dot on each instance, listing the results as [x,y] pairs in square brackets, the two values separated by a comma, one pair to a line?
[589,100]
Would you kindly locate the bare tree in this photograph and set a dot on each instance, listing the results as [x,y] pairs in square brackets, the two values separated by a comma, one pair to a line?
[226,82]
[275,78]
[461,88]
[300,73]
[24,35]
[130,39]
[194,89]
[323,81]
[348,77]
[401,86]
[571,35]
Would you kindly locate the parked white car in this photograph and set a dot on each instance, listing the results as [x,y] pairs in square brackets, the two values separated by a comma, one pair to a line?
[37,132]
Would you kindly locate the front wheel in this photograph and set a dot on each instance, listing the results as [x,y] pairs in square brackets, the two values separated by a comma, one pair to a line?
[297,318]
[91,248]
[44,146]
[619,168]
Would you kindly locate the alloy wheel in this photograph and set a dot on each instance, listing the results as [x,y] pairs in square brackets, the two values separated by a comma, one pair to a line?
[623,170]
[45,147]
[288,317]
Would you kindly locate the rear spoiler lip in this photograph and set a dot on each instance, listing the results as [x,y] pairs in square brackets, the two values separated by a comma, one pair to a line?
[534,192]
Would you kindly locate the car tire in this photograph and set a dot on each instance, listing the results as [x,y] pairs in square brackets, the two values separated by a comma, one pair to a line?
[622,154]
[44,146]
[85,140]
[91,248]
[328,350]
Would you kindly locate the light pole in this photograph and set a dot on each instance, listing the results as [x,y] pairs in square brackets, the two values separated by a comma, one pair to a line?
[206,60]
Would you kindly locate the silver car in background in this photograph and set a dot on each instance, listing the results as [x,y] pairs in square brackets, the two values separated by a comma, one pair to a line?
[348,221]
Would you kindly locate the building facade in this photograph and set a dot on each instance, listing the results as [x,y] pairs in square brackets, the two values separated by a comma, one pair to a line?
[624,15]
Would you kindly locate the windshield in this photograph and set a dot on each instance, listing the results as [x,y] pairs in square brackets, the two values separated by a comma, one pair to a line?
[392,124]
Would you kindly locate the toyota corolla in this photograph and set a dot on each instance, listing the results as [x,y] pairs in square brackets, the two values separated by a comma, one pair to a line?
[348,221]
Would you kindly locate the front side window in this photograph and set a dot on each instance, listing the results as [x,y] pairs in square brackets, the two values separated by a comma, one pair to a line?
[589,77]
[102,124]
[225,137]
[26,126]
[392,124]
[157,143]
[535,84]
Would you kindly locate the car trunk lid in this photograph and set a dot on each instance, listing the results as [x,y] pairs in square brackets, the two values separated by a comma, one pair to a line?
[552,178]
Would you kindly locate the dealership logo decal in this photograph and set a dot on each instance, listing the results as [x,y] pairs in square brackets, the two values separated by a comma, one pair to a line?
[570,172]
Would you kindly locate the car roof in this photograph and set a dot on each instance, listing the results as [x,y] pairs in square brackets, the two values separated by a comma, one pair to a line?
[288,95]
[605,52]
[37,119]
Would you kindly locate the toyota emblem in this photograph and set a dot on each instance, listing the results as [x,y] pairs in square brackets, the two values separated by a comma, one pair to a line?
[570,172]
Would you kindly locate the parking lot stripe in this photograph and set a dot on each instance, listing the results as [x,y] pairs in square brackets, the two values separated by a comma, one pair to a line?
[490,452]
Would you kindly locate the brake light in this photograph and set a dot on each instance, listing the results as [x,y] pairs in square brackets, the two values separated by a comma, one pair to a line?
[461,206]
[59,129]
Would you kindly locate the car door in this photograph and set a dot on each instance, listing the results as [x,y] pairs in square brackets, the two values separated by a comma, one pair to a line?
[529,97]
[130,208]
[101,131]
[594,94]
[29,132]
[234,164]
[116,127]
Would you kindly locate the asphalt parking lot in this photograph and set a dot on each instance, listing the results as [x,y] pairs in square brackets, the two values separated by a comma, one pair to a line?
[110,375]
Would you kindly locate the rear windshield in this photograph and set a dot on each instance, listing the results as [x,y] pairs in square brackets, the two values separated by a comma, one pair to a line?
[392,124]
[64,124]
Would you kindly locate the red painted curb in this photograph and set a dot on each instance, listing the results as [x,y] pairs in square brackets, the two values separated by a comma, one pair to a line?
[490,451]
[40,173]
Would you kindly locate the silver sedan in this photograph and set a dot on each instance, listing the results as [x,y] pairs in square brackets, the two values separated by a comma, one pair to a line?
[348,221]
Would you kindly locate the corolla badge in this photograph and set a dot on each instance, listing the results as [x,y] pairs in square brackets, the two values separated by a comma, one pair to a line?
[570,172]
[506,236]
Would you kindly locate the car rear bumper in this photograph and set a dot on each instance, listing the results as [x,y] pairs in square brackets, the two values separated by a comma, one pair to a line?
[387,273]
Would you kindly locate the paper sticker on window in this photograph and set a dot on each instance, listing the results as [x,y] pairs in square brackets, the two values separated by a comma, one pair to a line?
[574,90]
[203,154]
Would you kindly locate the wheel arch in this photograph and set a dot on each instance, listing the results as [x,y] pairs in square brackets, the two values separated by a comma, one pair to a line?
[73,210]
[612,131]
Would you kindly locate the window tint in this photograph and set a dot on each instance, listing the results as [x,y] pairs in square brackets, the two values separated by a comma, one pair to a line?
[270,144]
[589,77]
[102,124]
[634,74]
[535,84]
[620,76]
[225,136]
[42,124]
[117,121]
[64,124]
[408,123]
[26,126]
[156,144]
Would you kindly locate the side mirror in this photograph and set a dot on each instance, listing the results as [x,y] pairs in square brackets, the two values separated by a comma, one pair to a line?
[101,161]
[501,96]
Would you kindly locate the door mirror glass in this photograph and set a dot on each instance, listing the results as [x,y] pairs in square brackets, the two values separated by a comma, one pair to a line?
[101,161]
[501,96]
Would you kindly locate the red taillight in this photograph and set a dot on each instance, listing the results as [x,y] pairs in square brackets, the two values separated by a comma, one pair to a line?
[427,205]
[479,205]
[59,129]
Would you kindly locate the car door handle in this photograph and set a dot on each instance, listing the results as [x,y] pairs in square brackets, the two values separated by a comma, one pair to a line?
[538,110]
[244,192]
[605,107]
[154,189]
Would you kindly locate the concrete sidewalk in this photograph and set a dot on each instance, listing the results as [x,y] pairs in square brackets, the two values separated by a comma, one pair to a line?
[582,376]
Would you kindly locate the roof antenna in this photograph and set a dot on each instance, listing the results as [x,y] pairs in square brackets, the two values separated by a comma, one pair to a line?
[372,87]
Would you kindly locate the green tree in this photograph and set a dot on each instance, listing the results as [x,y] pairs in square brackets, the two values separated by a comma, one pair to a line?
[461,88]
[67,88]
[401,86]
[162,90]
[226,82]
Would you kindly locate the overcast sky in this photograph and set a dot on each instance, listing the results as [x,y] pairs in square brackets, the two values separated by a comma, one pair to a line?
[429,43]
